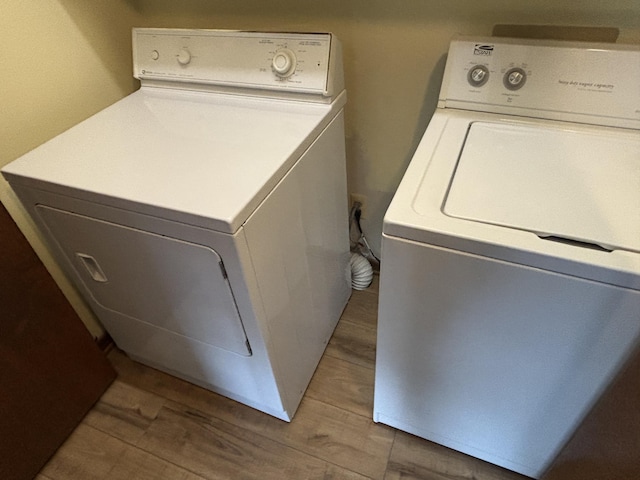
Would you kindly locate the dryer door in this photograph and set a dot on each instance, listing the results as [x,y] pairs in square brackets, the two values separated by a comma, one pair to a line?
[165,282]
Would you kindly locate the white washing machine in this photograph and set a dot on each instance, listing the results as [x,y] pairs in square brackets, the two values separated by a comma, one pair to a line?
[204,217]
[510,282]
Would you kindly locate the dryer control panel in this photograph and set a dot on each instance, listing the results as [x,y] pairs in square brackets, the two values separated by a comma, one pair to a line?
[592,83]
[291,62]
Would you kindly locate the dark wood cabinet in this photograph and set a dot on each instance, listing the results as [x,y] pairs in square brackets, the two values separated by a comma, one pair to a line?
[606,445]
[51,370]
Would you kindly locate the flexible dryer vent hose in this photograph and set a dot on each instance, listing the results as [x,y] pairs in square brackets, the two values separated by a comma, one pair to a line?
[361,272]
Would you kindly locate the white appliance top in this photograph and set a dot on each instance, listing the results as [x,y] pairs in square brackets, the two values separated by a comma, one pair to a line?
[562,183]
[219,120]
[200,158]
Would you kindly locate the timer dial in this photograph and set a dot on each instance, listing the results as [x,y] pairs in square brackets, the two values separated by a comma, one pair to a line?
[284,63]
[478,76]
[515,78]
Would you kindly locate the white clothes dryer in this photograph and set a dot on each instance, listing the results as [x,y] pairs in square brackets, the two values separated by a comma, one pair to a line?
[510,281]
[204,216]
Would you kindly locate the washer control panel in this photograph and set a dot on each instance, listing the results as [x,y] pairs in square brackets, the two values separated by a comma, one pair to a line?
[544,78]
[299,62]
[513,79]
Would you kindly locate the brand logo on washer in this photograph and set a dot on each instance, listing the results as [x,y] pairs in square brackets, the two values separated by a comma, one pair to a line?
[480,49]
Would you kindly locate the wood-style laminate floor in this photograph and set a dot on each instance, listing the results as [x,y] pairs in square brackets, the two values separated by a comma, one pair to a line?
[149,425]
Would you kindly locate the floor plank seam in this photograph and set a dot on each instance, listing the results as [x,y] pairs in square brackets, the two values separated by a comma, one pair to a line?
[131,443]
[350,412]
[328,352]
[349,361]
[393,443]
[372,328]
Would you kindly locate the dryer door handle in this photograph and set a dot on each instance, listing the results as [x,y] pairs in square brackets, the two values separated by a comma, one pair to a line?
[92,267]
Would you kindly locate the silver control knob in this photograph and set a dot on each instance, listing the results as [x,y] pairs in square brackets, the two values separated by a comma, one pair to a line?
[184,57]
[284,63]
[515,78]
[478,76]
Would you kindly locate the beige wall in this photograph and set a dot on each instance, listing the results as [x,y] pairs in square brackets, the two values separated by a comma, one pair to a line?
[61,61]
[64,60]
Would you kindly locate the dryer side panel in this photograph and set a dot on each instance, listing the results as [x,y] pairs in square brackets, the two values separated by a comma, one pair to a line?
[299,244]
[166,283]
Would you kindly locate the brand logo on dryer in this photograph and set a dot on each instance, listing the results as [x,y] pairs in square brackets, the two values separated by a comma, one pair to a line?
[481,49]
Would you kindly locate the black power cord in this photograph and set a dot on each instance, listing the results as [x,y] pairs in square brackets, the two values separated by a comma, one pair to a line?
[360,244]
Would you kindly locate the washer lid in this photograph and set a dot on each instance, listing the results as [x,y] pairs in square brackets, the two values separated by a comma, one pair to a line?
[567,184]
[204,159]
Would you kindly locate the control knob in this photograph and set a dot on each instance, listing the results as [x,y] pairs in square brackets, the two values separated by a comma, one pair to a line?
[478,76]
[184,57]
[515,78]
[284,62]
